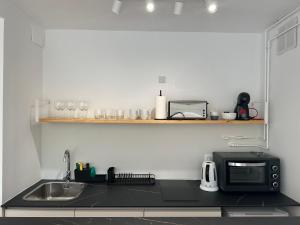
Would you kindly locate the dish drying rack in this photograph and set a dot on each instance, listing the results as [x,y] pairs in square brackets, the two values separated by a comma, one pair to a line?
[129,178]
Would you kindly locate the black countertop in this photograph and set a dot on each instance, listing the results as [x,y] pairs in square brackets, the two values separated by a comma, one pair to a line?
[103,195]
[150,221]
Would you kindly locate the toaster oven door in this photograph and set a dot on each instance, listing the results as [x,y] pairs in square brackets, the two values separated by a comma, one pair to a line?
[246,173]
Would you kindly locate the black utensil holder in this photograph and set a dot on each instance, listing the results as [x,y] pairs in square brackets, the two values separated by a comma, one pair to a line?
[85,176]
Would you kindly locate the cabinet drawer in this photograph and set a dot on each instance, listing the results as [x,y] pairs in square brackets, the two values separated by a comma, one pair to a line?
[41,212]
[183,212]
[107,212]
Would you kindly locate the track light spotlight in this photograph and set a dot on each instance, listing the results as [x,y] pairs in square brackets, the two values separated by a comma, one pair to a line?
[150,6]
[178,7]
[116,8]
[211,6]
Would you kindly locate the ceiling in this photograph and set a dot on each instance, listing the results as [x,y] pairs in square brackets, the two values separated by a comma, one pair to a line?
[244,16]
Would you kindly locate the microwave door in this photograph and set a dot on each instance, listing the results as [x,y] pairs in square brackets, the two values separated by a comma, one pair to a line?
[247,173]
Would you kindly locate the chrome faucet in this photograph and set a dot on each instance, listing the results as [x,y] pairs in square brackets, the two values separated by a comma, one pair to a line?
[67,160]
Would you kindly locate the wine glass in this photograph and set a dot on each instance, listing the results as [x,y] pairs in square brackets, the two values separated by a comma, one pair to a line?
[83,107]
[71,106]
[60,106]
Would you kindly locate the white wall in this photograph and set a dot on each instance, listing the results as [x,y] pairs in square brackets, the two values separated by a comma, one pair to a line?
[120,70]
[285,122]
[1,99]
[22,85]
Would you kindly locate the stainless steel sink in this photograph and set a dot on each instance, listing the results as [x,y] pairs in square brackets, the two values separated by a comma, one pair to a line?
[55,191]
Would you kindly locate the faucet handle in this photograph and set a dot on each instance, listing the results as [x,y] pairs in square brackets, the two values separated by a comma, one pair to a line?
[67,152]
[66,155]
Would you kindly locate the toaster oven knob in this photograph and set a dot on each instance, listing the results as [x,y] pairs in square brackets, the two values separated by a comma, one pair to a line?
[274,168]
[275,176]
[275,184]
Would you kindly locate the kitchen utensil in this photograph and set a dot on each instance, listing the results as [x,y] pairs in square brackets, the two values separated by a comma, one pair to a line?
[214,115]
[120,114]
[89,176]
[42,109]
[128,114]
[103,115]
[97,114]
[71,106]
[257,109]
[133,114]
[187,110]
[242,107]
[60,106]
[111,114]
[129,178]
[228,116]
[247,171]
[83,107]
[161,107]
[209,177]
[145,114]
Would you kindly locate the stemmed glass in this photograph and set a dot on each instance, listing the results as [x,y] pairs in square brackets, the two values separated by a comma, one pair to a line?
[60,106]
[71,106]
[83,107]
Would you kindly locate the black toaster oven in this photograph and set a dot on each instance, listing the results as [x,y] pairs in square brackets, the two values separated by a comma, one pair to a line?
[247,171]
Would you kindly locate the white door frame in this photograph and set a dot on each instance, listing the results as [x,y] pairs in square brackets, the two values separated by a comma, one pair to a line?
[1,103]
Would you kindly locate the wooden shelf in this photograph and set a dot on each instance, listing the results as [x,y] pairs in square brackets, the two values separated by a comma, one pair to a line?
[163,122]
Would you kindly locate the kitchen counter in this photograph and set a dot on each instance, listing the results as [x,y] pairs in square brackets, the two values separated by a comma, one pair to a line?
[150,221]
[103,195]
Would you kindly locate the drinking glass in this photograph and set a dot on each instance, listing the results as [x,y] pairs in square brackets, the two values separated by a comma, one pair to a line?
[103,114]
[127,114]
[98,114]
[60,106]
[114,114]
[71,106]
[83,107]
[139,114]
[132,114]
[145,114]
[57,108]
[120,114]
[109,114]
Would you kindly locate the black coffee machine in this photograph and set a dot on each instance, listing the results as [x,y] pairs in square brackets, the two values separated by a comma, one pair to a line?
[242,108]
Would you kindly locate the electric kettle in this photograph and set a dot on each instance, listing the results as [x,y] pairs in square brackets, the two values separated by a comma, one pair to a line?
[209,177]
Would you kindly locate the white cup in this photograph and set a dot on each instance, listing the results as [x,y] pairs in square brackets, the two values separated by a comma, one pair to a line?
[214,113]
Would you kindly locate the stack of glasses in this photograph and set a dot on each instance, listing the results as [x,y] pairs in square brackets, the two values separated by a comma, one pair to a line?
[121,114]
[81,109]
